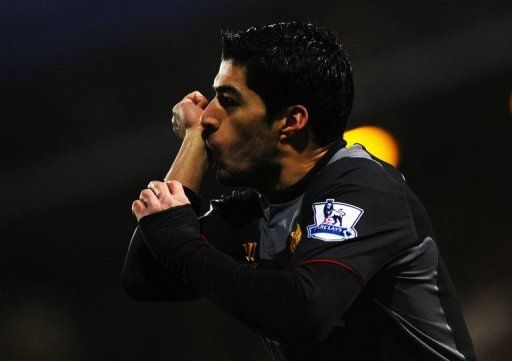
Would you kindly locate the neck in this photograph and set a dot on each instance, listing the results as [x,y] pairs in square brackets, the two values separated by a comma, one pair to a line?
[296,164]
[293,164]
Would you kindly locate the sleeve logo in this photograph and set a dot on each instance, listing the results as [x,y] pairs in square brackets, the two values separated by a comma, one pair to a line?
[334,221]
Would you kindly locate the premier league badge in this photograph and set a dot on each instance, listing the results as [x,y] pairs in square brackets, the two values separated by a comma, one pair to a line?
[334,221]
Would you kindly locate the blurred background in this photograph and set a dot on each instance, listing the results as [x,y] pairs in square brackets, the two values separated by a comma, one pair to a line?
[87,88]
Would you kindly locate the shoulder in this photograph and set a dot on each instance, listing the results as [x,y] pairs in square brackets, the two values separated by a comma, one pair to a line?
[356,210]
[361,188]
[356,170]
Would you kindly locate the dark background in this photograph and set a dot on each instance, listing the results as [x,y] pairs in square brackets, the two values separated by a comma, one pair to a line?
[87,88]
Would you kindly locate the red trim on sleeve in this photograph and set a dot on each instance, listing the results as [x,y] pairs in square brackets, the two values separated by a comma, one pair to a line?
[332,261]
[203,238]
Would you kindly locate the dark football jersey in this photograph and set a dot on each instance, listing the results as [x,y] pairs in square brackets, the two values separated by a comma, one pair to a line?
[356,213]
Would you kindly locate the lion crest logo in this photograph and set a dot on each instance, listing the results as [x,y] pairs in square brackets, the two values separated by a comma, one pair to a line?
[334,221]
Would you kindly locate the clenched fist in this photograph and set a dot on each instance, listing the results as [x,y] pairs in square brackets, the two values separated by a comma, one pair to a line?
[187,113]
[159,196]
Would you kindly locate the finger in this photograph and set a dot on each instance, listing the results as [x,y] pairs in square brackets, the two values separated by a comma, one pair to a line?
[160,189]
[178,196]
[187,99]
[201,100]
[198,99]
[175,187]
[149,198]
[139,209]
[154,189]
[138,206]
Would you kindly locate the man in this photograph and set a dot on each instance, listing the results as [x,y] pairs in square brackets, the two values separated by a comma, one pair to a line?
[326,254]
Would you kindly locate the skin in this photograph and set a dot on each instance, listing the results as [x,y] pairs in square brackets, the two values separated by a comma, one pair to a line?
[233,132]
[239,138]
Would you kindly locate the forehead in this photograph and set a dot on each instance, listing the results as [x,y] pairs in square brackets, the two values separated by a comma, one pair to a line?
[231,74]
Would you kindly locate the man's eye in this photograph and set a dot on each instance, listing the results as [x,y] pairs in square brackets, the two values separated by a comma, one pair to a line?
[226,102]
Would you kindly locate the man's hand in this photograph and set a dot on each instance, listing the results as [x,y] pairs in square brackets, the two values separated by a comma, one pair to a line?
[187,113]
[158,197]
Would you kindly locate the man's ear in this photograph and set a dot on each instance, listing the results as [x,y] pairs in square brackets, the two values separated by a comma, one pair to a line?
[296,120]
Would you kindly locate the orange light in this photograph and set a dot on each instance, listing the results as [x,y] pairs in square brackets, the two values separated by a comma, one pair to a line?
[377,141]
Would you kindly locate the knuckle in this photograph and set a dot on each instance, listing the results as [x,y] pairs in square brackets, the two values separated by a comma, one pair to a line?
[159,187]
[174,183]
[146,193]
[153,184]
[186,104]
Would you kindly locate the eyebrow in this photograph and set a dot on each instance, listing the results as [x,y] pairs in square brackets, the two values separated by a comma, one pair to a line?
[227,89]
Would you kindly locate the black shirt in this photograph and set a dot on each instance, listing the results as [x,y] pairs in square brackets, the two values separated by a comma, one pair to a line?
[341,266]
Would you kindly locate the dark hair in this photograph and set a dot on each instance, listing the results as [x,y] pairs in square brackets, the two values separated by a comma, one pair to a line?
[296,63]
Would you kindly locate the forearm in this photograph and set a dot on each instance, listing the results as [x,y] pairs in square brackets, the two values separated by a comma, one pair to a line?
[146,280]
[143,277]
[294,306]
[191,163]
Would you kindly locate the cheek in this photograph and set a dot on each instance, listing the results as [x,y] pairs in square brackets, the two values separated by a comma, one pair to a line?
[238,136]
[255,130]
[245,137]
[255,148]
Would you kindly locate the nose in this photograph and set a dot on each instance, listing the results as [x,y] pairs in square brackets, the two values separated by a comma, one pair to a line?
[210,117]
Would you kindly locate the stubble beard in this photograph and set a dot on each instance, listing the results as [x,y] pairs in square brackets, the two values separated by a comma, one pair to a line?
[255,166]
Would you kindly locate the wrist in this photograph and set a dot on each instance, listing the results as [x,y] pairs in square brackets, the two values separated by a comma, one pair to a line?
[195,130]
[191,162]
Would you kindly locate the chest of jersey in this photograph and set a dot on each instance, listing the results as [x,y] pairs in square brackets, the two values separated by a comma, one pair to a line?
[257,233]
[278,234]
